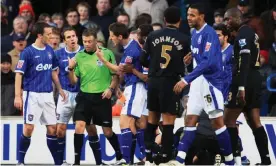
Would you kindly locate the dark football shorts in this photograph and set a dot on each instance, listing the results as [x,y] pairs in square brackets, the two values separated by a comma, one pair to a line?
[161,97]
[92,109]
[252,92]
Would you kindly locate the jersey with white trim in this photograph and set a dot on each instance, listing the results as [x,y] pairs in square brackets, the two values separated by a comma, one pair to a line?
[246,53]
[36,64]
[227,59]
[207,58]
[62,62]
[132,52]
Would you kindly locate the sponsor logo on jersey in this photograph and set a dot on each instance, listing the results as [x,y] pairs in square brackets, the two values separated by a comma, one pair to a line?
[242,42]
[128,59]
[41,67]
[30,117]
[194,50]
[208,46]
[20,64]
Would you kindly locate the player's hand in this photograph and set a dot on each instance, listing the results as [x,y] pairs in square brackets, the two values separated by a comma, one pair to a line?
[63,95]
[71,62]
[188,59]
[179,87]
[107,94]
[119,93]
[100,54]
[241,97]
[18,103]
[127,68]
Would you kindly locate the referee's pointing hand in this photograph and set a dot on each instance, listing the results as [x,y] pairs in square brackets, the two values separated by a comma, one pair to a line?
[100,54]
[71,62]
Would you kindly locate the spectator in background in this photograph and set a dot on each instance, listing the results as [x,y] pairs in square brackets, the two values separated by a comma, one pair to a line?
[19,26]
[218,16]
[19,43]
[44,17]
[155,8]
[104,17]
[272,53]
[124,7]
[54,40]
[84,11]
[156,26]
[27,12]
[57,18]
[25,2]
[269,25]
[244,6]
[72,18]
[4,21]
[124,19]
[7,87]
[141,19]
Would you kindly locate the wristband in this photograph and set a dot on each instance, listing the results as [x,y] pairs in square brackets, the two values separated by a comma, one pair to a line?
[70,69]
[111,89]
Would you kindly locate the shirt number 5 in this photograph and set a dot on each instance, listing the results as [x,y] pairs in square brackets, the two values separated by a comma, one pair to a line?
[165,55]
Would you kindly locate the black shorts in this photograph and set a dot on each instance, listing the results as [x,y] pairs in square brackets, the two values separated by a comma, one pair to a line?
[252,92]
[92,109]
[161,97]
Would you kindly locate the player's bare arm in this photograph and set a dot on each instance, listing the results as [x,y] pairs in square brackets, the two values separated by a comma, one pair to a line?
[57,83]
[188,59]
[128,68]
[72,77]
[18,102]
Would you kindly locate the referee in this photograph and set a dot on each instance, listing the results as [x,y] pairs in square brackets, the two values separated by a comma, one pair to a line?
[93,100]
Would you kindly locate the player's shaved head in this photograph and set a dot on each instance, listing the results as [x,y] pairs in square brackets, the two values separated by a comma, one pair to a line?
[233,19]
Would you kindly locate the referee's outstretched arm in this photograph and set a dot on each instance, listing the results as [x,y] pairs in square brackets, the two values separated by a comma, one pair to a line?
[72,76]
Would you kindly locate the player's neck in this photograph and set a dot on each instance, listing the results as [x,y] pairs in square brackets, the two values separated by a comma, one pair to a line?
[38,43]
[73,49]
[200,25]
[224,45]
[125,41]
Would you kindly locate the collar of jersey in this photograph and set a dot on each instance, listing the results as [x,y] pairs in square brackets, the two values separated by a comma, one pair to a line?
[198,31]
[225,48]
[69,52]
[38,47]
[171,27]
[125,47]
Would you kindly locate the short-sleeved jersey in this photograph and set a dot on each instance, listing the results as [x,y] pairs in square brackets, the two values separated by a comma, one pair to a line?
[62,62]
[132,52]
[246,53]
[166,49]
[36,64]
[227,59]
[207,58]
[94,76]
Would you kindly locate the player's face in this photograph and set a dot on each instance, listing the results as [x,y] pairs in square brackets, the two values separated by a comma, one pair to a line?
[221,37]
[71,39]
[89,43]
[115,39]
[20,45]
[229,22]
[193,17]
[5,67]
[54,40]
[46,35]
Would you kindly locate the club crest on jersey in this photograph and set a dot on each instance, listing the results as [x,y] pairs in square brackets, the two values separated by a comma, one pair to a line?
[128,59]
[30,117]
[20,64]
[208,46]
[242,42]
[49,55]
[99,63]
[58,116]
[199,40]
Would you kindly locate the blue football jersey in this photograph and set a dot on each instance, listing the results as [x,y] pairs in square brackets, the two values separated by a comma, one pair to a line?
[62,62]
[132,52]
[36,64]
[227,56]
[206,52]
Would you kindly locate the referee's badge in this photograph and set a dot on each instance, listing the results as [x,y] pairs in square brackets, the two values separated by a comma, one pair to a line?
[99,63]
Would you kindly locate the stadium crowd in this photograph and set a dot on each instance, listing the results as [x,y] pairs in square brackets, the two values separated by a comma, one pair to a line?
[108,34]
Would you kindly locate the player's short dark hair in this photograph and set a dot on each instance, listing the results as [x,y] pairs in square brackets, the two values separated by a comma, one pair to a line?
[143,18]
[157,24]
[65,29]
[222,28]
[119,29]
[89,32]
[172,15]
[70,10]
[39,27]
[145,29]
[199,7]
